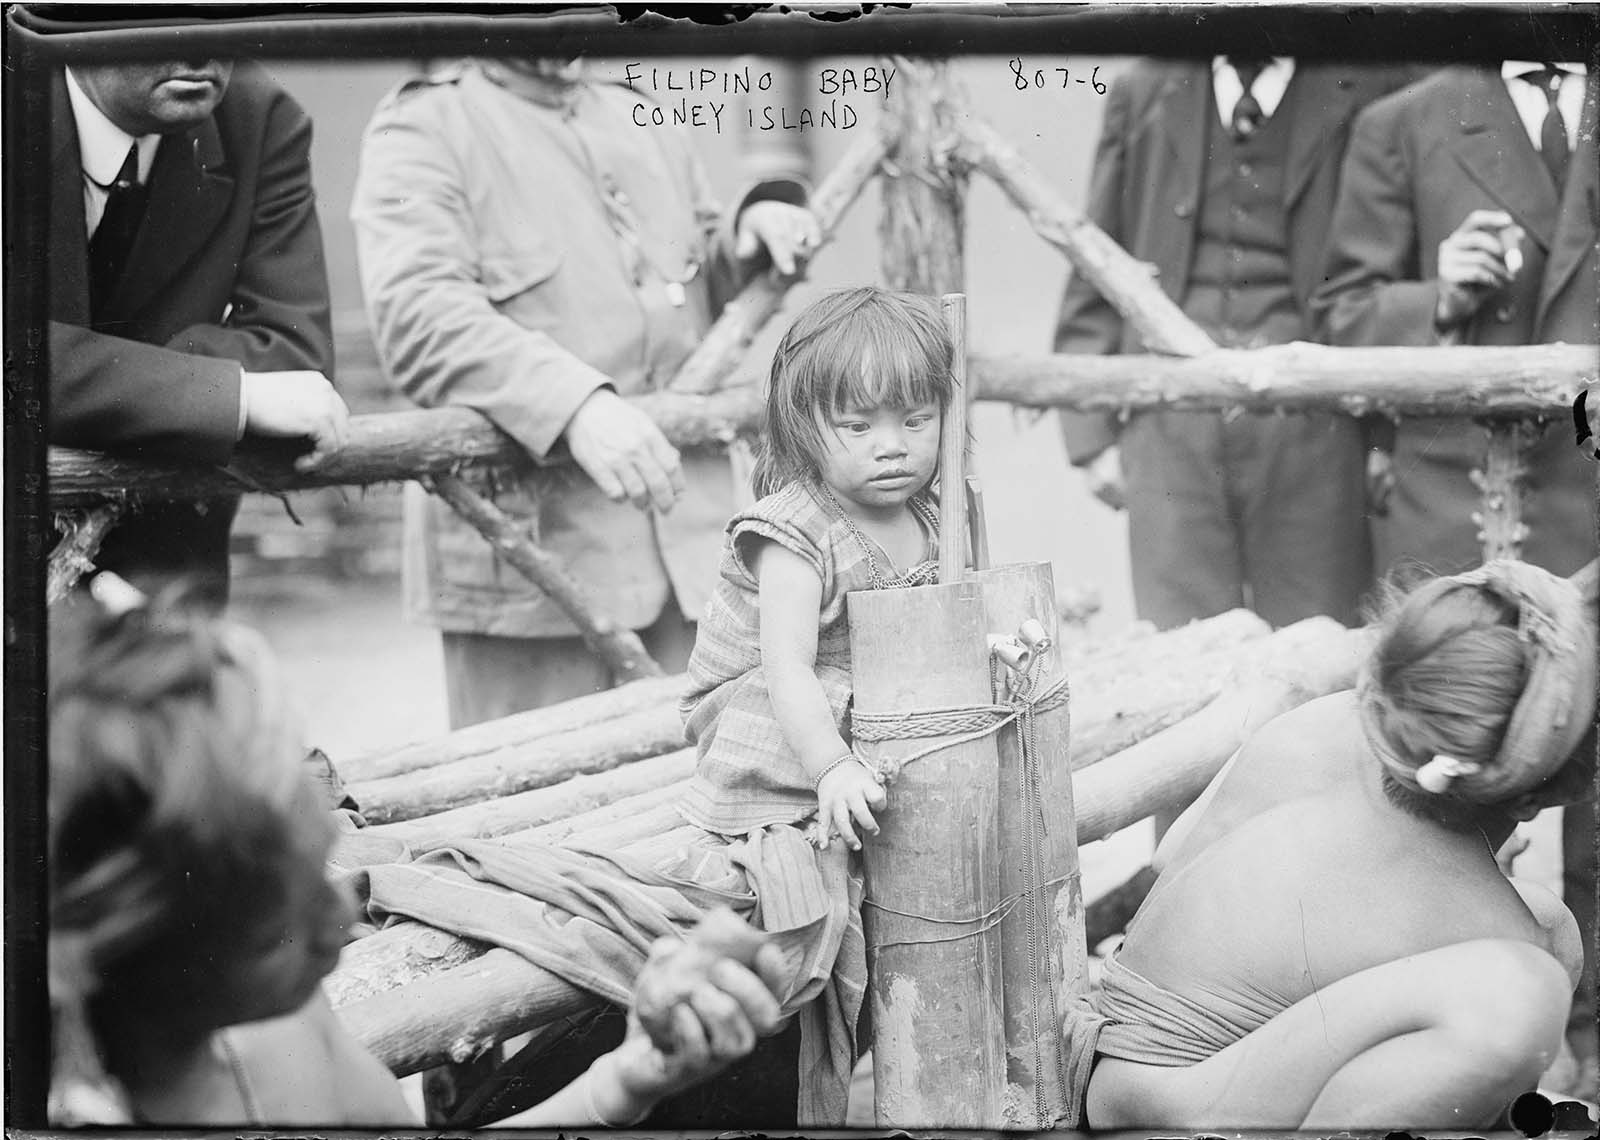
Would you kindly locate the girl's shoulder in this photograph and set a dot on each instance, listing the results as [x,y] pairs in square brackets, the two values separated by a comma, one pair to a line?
[794,506]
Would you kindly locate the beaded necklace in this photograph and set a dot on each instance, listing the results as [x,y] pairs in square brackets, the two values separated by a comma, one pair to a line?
[923,573]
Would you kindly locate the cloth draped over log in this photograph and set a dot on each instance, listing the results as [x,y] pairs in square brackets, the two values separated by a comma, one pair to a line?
[589,917]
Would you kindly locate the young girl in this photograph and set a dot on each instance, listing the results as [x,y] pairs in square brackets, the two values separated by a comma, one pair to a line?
[192,918]
[857,397]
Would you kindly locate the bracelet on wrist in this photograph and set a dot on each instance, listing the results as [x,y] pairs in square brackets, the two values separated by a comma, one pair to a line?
[847,758]
[591,1079]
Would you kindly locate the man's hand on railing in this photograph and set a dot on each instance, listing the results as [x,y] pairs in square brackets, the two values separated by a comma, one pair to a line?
[295,405]
[788,233]
[1103,474]
[624,452]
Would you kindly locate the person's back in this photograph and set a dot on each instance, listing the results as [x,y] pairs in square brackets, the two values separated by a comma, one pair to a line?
[1263,911]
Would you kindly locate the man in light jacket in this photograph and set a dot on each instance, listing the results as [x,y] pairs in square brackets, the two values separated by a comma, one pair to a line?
[529,251]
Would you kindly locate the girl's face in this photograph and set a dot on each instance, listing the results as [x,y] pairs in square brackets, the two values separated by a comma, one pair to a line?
[877,458]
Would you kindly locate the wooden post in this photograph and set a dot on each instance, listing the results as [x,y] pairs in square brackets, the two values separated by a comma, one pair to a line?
[933,944]
[81,536]
[923,183]
[1124,282]
[1499,483]
[953,446]
[619,648]
[1043,956]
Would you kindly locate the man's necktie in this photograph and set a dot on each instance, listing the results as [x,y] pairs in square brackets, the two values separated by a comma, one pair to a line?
[1247,113]
[1553,148]
[119,224]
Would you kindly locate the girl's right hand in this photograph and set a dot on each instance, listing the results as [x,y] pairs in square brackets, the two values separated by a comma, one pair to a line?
[847,796]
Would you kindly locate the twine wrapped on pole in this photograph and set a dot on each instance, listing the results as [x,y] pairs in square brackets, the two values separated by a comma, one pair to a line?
[1043,958]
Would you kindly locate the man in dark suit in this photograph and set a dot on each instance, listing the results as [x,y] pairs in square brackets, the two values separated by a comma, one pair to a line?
[1442,183]
[1222,176]
[188,296]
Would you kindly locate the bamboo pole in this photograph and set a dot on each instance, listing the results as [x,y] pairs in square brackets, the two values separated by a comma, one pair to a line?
[1043,956]
[1500,483]
[515,731]
[502,814]
[933,886]
[954,442]
[1126,283]
[81,535]
[1393,381]
[382,448]
[620,648]
[726,342]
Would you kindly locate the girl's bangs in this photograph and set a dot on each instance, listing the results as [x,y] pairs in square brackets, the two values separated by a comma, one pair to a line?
[894,365]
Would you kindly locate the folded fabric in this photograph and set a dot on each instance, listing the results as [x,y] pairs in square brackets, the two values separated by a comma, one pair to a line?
[589,917]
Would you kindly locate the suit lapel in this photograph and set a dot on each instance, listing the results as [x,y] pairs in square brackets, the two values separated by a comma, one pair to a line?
[1574,240]
[1493,148]
[1325,102]
[190,188]
[1179,115]
[68,268]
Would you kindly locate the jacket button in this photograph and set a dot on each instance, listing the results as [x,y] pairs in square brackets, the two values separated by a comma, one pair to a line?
[1504,313]
[1184,209]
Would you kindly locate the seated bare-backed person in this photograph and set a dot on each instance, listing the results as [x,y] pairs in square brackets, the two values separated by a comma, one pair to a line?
[1330,941]
[192,917]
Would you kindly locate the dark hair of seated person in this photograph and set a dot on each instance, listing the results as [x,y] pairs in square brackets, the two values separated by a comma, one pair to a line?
[186,847]
[1447,673]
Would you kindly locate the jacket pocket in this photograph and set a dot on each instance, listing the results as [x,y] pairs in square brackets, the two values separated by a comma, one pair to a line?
[508,273]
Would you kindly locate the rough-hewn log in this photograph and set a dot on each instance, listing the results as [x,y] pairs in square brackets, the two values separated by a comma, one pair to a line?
[1123,649]
[73,556]
[504,814]
[1115,707]
[726,342]
[1500,484]
[1128,284]
[1166,771]
[1488,381]
[381,448]
[505,772]
[616,645]
[924,183]
[515,731]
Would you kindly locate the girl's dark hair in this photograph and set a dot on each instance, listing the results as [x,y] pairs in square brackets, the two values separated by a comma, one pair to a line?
[863,347]
[174,777]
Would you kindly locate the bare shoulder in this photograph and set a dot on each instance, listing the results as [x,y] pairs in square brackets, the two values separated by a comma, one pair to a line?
[305,1068]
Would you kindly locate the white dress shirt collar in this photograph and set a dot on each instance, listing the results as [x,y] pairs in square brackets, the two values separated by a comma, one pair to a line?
[102,145]
[1531,104]
[1268,87]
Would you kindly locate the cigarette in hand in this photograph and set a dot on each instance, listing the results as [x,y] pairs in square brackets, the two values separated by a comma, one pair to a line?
[1511,240]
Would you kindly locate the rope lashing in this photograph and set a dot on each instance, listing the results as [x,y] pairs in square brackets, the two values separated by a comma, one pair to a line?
[986,921]
[961,724]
